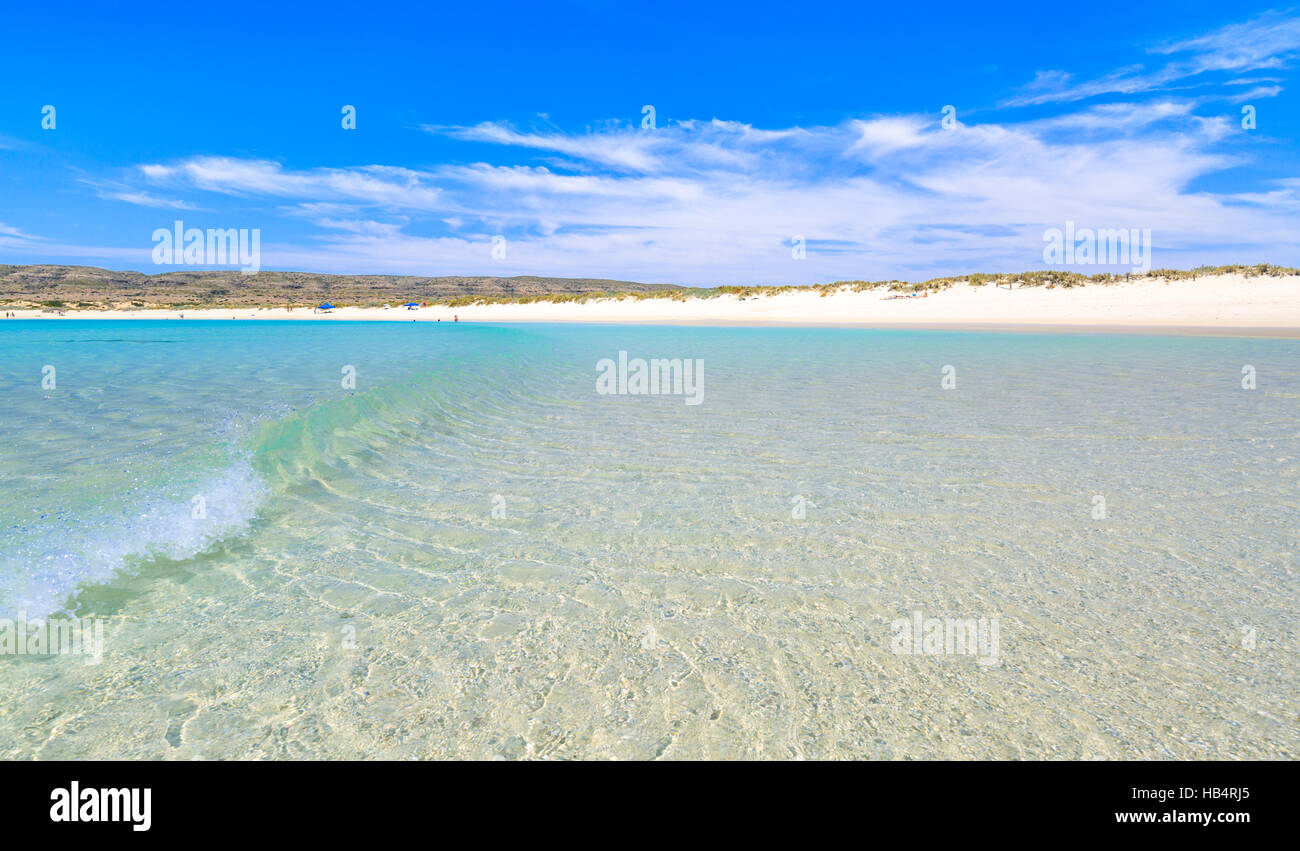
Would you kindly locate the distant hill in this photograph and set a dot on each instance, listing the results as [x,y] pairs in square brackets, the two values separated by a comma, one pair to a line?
[87,286]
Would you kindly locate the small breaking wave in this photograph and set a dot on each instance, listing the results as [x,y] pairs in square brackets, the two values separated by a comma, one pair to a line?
[49,565]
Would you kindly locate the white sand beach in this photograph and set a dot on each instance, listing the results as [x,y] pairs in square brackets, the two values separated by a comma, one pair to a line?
[1228,302]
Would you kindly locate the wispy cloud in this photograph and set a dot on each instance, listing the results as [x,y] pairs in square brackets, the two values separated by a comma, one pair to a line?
[111,191]
[21,244]
[378,185]
[1268,41]
[619,148]
[14,233]
[1257,93]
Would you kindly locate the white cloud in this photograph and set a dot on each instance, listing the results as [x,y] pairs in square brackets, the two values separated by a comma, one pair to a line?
[378,185]
[631,150]
[13,232]
[1267,42]
[1257,93]
[111,191]
[22,246]
[885,135]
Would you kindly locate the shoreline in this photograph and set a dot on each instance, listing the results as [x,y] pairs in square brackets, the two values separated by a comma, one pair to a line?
[1228,304]
[1271,332]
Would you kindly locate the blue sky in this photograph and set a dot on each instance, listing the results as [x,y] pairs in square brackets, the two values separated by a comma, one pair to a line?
[772,122]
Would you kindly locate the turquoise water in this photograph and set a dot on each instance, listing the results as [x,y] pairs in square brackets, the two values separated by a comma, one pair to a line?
[474,554]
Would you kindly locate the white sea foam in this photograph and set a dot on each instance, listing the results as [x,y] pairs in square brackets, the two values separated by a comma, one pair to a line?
[50,565]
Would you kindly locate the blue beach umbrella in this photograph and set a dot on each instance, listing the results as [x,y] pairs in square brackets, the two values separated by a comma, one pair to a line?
[326,306]
[410,304]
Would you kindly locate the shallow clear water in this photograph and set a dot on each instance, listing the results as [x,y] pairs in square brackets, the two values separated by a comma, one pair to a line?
[475,554]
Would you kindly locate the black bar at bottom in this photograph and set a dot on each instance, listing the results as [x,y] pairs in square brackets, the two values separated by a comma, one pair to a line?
[351,800]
